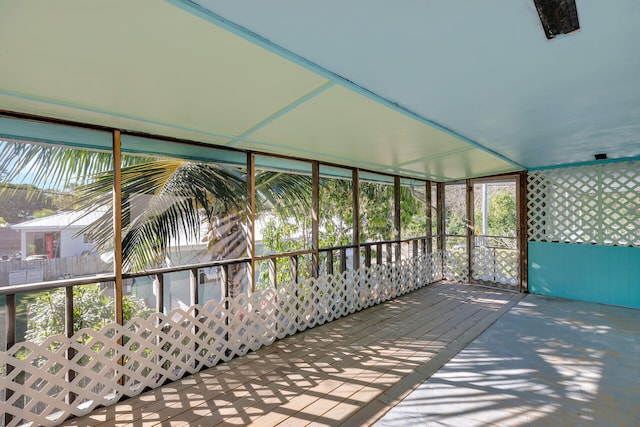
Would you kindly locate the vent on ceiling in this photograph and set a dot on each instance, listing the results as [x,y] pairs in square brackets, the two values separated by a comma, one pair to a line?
[558,17]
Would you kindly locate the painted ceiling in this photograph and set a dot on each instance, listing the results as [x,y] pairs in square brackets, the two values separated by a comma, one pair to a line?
[432,89]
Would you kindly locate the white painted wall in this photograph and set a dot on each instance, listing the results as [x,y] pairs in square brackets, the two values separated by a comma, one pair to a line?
[70,246]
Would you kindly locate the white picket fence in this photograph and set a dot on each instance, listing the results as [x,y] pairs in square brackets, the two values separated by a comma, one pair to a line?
[38,270]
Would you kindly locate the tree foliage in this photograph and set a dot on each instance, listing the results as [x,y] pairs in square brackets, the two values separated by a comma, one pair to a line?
[91,309]
[336,212]
[455,223]
[287,232]
[413,213]
[501,219]
[42,213]
[18,202]
[377,208]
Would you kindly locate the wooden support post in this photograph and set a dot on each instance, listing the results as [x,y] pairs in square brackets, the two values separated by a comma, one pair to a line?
[10,320]
[379,253]
[117,238]
[68,311]
[440,223]
[414,251]
[251,219]
[159,288]
[523,230]
[355,185]
[158,284]
[343,260]
[10,333]
[194,299]
[117,225]
[293,262]
[367,256]
[329,268]
[315,218]
[69,331]
[470,229]
[440,216]
[343,268]
[193,286]
[224,272]
[429,241]
[396,217]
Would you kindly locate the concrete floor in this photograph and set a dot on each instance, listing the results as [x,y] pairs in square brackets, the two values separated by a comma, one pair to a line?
[547,362]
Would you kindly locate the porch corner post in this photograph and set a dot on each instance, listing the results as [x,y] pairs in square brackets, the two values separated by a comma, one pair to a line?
[315,216]
[523,230]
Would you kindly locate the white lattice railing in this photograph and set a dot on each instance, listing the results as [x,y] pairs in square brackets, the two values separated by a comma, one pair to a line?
[490,265]
[496,265]
[456,265]
[47,383]
[588,204]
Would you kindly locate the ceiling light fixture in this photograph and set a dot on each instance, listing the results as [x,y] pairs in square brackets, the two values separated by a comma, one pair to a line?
[558,17]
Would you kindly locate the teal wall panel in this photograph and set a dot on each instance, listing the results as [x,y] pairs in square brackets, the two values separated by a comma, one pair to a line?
[602,274]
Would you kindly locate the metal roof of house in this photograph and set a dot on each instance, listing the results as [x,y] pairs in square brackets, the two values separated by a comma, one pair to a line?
[75,220]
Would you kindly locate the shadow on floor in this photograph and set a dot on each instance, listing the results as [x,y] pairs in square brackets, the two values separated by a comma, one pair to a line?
[548,362]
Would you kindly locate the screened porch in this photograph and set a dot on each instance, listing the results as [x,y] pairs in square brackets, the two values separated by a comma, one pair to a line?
[207,203]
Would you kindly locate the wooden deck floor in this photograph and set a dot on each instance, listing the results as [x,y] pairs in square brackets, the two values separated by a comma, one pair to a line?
[350,371]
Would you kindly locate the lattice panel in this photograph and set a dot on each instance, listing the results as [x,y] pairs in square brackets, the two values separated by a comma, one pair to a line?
[45,384]
[589,204]
[456,266]
[496,265]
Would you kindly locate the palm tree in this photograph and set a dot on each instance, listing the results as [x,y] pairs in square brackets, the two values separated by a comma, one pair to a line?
[164,201]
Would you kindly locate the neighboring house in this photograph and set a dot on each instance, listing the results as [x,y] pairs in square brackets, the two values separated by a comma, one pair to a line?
[9,242]
[55,236]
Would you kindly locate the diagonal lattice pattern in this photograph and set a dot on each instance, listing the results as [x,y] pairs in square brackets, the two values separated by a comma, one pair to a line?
[597,204]
[496,265]
[45,384]
[456,266]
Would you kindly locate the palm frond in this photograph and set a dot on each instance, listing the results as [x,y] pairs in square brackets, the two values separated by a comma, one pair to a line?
[48,165]
[164,202]
[289,193]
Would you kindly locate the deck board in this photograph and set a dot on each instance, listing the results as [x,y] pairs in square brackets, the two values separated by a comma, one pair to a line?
[351,370]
